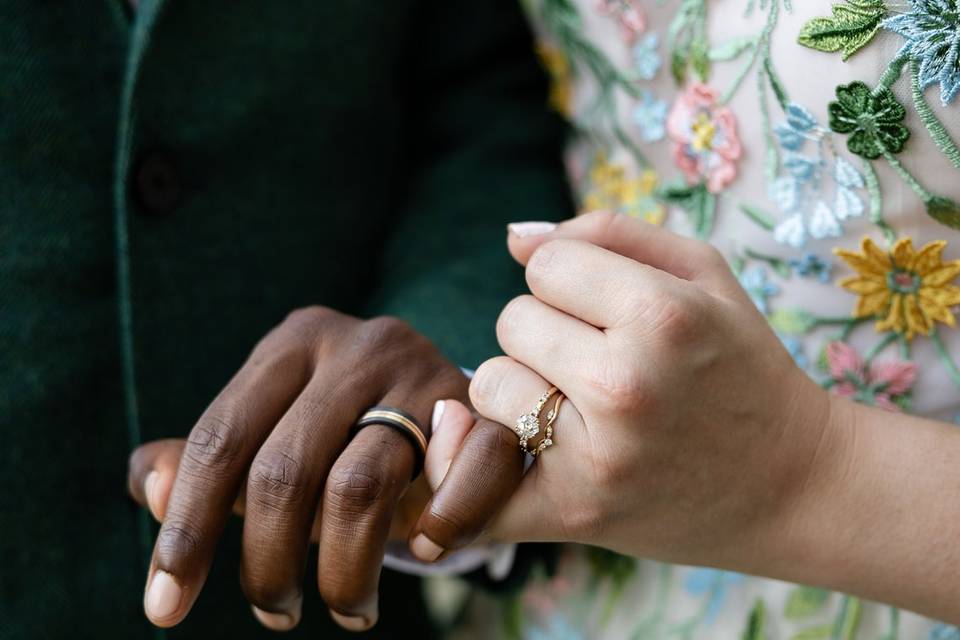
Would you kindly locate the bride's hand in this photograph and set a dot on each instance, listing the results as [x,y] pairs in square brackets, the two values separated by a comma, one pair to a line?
[689,434]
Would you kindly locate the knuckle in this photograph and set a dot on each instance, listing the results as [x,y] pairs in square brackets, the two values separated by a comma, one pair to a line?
[385,335]
[601,223]
[618,387]
[709,256]
[353,487]
[308,316]
[542,261]
[177,540]
[512,315]
[215,442]
[486,383]
[276,478]
[676,322]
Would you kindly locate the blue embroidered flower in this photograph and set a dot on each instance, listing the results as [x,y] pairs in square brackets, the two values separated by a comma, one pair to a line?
[646,59]
[714,583]
[794,346]
[945,632]
[932,31]
[797,191]
[754,282]
[811,266]
[650,115]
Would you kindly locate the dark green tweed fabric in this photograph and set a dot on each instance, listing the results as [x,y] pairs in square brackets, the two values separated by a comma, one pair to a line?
[360,155]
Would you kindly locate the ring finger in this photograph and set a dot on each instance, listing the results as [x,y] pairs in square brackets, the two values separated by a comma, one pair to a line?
[483,477]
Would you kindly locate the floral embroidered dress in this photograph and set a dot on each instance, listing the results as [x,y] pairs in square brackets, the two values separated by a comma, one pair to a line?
[815,143]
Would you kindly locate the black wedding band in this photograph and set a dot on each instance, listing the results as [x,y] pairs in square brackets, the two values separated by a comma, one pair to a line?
[402,422]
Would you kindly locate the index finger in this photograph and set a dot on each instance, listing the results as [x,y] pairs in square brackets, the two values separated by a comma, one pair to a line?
[643,242]
[213,466]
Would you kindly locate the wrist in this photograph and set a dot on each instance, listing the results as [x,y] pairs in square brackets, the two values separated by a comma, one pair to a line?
[821,458]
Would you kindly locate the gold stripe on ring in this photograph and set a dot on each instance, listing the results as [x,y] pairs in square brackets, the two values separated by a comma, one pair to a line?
[395,418]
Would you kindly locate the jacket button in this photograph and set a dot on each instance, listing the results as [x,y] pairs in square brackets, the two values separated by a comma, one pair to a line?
[157,184]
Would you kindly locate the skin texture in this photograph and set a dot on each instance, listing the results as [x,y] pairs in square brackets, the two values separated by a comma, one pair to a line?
[276,447]
[690,435]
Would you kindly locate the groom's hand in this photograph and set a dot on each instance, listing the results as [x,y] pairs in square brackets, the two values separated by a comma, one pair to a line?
[275,444]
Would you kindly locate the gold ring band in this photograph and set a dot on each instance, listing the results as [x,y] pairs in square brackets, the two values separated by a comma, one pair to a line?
[402,422]
[528,425]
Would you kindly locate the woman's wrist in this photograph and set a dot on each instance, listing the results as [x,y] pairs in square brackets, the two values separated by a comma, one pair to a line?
[879,515]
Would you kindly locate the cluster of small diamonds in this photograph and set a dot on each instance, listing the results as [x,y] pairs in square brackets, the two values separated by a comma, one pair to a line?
[528,425]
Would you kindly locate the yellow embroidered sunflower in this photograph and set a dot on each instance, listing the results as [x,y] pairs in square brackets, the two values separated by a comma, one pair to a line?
[561,83]
[610,189]
[906,290]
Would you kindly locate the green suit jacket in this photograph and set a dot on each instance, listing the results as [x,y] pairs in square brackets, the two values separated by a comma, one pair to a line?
[172,183]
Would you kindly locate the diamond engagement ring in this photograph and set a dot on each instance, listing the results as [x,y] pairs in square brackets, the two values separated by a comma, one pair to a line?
[528,425]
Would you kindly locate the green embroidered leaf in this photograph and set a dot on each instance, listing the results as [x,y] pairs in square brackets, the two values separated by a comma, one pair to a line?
[756,623]
[792,322]
[852,26]
[731,49]
[814,633]
[678,64]
[804,601]
[944,211]
[696,201]
[700,59]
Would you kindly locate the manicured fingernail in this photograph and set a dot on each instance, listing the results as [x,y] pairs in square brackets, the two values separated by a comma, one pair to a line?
[149,490]
[163,596]
[357,623]
[527,229]
[437,415]
[276,621]
[425,549]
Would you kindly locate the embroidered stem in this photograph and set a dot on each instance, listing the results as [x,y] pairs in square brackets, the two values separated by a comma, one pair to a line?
[762,218]
[892,73]
[951,366]
[763,43]
[771,161]
[936,129]
[905,348]
[880,346]
[876,201]
[778,265]
[775,83]
[893,632]
[848,619]
[918,188]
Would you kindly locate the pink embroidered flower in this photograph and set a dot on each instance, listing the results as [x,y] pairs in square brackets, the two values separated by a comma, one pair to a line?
[632,19]
[879,383]
[704,135]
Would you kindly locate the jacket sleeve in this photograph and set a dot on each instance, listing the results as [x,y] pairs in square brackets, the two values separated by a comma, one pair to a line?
[486,150]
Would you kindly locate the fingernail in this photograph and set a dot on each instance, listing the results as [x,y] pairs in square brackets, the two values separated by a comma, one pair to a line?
[149,489]
[163,596]
[357,623]
[276,621]
[437,415]
[425,549]
[527,229]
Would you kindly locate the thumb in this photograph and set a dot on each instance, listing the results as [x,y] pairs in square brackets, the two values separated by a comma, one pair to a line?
[151,470]
[451,423]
